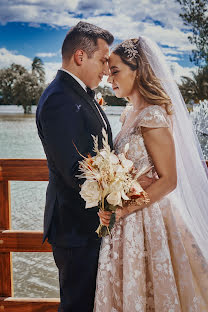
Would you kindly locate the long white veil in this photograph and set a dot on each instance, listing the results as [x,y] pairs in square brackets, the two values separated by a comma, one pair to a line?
[192,187]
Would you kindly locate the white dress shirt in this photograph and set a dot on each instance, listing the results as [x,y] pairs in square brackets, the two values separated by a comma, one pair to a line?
[83,85]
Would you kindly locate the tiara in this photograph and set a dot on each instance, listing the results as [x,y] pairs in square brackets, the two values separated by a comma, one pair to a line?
[130,49]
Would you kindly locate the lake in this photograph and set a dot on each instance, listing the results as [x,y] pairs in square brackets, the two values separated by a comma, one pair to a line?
[34,274]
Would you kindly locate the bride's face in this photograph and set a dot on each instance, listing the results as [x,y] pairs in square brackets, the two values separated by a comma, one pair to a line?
[121,77]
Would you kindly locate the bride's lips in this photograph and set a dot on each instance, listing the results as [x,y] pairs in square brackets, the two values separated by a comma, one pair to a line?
[115,88]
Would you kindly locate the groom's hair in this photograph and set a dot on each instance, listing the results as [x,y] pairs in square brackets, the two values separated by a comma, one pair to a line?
[84,36]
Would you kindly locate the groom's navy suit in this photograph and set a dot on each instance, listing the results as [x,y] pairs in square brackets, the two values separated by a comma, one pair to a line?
[67,117]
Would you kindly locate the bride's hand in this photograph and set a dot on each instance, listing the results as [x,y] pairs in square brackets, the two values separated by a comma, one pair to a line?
[105,217]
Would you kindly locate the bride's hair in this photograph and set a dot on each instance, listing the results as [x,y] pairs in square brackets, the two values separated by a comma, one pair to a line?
[149,85]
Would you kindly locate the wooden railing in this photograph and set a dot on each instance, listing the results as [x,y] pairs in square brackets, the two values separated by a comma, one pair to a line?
[19,241]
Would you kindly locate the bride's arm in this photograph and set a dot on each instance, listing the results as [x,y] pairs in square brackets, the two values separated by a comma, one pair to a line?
[160,146]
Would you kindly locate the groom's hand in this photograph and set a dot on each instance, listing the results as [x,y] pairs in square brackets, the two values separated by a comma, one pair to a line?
[105,217]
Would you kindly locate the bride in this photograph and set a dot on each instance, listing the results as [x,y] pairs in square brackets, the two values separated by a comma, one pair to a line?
[157,256]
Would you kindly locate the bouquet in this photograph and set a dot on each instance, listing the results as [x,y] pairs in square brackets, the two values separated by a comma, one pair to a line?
[110,178]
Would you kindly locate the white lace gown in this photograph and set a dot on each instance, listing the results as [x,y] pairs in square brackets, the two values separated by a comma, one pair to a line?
[151,262]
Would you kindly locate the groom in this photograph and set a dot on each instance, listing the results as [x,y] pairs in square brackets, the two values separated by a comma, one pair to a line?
[68,116]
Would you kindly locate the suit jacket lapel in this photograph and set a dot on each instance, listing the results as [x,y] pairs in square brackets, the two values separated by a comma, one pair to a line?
[76,86]
[107,122]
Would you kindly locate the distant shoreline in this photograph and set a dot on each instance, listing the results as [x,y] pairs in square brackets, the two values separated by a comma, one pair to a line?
[13,109]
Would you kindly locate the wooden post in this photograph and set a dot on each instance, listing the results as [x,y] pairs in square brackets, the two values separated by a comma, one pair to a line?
[6,281]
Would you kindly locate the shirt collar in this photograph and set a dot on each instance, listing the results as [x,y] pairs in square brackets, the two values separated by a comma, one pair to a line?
[82,84]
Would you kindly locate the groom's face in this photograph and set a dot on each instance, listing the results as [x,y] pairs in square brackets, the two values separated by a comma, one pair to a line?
[95,67]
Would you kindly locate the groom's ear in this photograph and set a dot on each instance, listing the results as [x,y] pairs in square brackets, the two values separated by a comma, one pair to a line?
[79,57]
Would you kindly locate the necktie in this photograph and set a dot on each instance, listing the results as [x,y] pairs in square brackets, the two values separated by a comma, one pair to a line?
[91,93]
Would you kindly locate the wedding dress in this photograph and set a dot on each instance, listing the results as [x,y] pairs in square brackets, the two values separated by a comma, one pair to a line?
[151,262]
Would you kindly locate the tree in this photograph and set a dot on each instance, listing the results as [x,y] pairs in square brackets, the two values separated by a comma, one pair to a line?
[38,69]
[8,78]
[27,91]
[109,98]
[196,88]
[112,100]
[195,15]
[104,90]
[20,87]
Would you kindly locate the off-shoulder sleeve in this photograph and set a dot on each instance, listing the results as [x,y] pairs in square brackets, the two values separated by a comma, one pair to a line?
[154,117]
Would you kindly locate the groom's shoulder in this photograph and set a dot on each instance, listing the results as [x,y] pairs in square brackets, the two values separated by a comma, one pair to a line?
[53,88]
[59,100]
[55,91]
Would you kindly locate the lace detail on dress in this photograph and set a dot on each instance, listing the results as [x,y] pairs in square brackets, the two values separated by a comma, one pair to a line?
[153,117]
[125,113]
[151,263]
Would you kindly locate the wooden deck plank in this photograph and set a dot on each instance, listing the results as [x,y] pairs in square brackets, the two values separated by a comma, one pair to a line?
[11,304]
[5,207]
[23,241]
[23,170]
[6,274]
[6,288]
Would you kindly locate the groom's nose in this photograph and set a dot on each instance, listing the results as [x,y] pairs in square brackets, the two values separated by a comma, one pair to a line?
[109,80]
[106,69]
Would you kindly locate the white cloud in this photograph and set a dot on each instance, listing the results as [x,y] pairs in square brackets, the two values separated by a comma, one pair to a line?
[129,18]
[172,58]
[43,54]
[9,57]
[158,20]
[171,50]
[179,71]
[51,70]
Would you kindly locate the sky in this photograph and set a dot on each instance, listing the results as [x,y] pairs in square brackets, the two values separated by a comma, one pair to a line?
[30,28]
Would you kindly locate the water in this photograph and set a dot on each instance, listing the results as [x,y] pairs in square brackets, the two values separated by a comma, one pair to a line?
[34,274]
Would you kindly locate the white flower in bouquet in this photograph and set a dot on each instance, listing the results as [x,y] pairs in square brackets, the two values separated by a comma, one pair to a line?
[91,193]
[114,198]
[136,187]
[126,163]
[109,178]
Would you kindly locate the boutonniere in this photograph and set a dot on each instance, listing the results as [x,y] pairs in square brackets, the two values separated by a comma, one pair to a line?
[100,99]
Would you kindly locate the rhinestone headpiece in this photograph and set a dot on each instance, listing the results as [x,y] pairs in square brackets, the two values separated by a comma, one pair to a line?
[130,49]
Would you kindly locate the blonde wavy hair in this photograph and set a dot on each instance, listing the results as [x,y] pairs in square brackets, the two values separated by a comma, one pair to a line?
[149,85]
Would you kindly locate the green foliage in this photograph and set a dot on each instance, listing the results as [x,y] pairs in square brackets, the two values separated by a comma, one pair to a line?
[104,90]
[8,78]
[38,69]
[196,88]
[27,91]
[195,15]
[109,98]
[20,87]
[112,100]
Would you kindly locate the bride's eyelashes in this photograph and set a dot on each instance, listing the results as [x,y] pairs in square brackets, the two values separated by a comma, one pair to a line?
[115,72]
